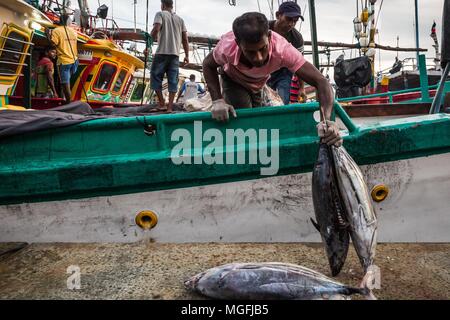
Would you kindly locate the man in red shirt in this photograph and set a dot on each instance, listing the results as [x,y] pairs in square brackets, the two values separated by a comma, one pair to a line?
[247,56]
[45,84]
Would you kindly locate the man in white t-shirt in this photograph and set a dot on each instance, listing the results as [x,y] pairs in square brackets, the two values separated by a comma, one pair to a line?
[170,32]
[190,89]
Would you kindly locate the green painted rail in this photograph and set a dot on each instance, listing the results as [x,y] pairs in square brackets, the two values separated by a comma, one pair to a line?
[391,94]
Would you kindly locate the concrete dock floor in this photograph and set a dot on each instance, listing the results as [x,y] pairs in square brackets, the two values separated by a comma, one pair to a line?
[157,271]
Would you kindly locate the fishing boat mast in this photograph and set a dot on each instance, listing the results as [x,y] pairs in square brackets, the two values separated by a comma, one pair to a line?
[312,18]
[416,12]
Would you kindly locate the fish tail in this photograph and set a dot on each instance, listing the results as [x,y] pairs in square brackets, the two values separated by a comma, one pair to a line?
[366,292]
[361,291]
[365,284]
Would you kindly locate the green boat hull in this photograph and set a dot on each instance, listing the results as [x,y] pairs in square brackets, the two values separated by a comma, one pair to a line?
[130,155]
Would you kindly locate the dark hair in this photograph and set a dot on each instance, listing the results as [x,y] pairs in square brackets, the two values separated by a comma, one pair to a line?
[192,76]
[63,19]
[251,27]
[167,3]
[50,48]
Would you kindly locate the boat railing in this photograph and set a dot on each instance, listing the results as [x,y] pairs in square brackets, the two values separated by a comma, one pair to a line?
[11,74]
[16,52]
[17,40]
[411,66]
[345,118]
[58,8]
[390,94]
[107,25]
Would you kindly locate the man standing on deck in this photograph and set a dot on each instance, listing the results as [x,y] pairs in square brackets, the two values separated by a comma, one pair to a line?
[65,40]
[246,57]
[170,31]
[287,17]
[45,84]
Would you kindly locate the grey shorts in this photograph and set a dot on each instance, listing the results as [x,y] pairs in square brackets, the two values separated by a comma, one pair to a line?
[238,96]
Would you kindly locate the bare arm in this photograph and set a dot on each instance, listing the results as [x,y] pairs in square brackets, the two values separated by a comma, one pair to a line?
[51,82]
[185,41]
[301,90]
[212,77]
[155,31]
[311,75]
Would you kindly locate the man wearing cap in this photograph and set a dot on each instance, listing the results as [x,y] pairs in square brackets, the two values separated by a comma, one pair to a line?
[245,58]
[288,15]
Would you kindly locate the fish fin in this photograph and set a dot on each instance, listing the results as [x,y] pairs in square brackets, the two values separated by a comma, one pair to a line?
[315,224]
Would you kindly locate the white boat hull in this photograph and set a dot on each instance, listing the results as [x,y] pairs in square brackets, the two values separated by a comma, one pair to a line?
[268,210]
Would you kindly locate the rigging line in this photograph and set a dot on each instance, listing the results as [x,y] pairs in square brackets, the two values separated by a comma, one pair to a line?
[301,22]
[379,53]
[146,19]
[145,55]
[130,21]
[270,8]
[378,17]
[259,6]
[71,49]
[135,24]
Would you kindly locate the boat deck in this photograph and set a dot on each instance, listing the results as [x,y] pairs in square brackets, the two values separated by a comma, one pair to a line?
[157,271]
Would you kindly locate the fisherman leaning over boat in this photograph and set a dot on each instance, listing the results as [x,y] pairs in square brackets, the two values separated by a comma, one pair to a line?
[170,31]
[65,40]
[288,15]
[246,57]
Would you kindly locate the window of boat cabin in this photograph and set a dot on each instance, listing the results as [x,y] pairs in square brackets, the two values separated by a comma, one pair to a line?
[105,77]
[126,89]
[138,91]
[120,81]
[11,53]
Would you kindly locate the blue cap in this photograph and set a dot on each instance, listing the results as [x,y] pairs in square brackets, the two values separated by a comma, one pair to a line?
[291,9]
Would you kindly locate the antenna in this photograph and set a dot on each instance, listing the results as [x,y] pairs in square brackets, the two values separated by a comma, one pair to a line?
[134,4]
[398,42]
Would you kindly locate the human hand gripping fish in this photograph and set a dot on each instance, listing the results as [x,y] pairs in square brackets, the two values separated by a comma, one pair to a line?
[328,131]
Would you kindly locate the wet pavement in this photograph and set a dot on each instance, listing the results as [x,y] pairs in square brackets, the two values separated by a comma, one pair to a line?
[157,271]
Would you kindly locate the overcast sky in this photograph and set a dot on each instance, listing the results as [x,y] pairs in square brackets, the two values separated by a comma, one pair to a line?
[334,20]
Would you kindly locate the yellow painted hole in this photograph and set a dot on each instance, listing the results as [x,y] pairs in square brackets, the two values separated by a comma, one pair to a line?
[147,220]
[380,193]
